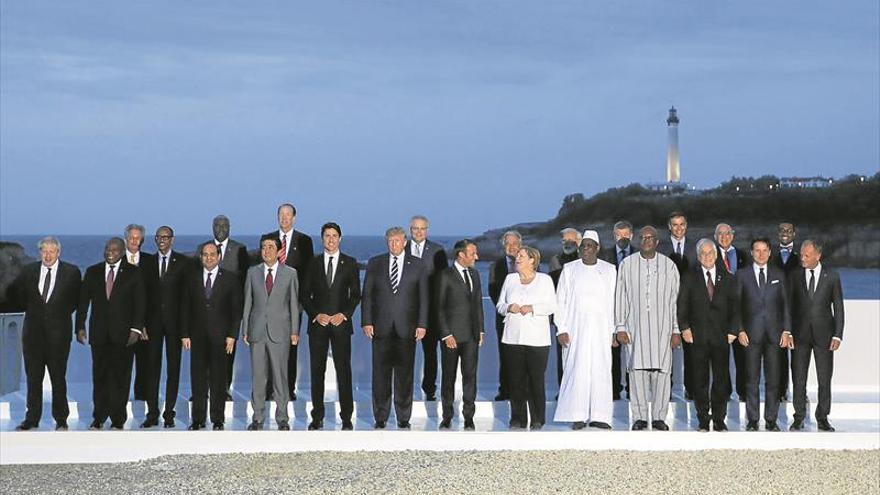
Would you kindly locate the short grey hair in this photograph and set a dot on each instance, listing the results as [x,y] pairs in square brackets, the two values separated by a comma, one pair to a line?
[817,245]
[720,225]
[418,217]
[704,241]
[569,230]
[393,231]
[49,240]
[134,226]
[511,233]
[621,225]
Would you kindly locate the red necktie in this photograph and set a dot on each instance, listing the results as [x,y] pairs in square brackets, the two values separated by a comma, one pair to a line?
[270,282]
[726,262]
[282,256]
[710,286]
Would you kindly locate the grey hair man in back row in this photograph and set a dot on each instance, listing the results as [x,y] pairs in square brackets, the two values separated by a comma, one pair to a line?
[511,241]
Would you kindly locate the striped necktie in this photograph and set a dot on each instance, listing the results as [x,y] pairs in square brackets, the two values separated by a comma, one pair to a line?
[395,275]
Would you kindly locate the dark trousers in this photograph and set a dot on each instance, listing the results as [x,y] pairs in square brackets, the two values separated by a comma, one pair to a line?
[764,353]
[558,357]
[111,381]
[804,349]
[616,373]
[742,369]
[502,357]
[467,353]
[526,368]
[784,365]
[687,361]
[208,373]
[393,360]
[172,349]
[142,371]
[429,348]
[714,357]
[38,356]
[230,367]
[320,340]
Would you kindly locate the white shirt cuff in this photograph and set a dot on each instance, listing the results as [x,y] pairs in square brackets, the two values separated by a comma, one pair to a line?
[136,330]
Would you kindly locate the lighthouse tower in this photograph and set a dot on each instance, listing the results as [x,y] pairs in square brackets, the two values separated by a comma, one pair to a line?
[673,170]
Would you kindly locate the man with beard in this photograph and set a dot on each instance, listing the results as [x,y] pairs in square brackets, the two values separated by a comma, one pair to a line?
[571,242]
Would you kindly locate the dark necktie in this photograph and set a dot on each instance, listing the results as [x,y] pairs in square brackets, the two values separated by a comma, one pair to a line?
[164,266]
[710,286]
[270,282]
[330,271]
[467,280]
[282,257]
[812,287]
[678,248]
[220,251]
[620,256]
[108,287]
[208,287]
[511,264]
[395,270]
[46,282]
[726,261]
[762,278]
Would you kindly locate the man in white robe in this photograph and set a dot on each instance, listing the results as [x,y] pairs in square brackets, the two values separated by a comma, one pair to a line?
[585,327]
[645,315]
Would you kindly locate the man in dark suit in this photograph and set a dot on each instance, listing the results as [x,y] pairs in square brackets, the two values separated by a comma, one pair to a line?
[460,319]
[622,233]
[684,255]
[709,318]
[115,291]
[511,241]
[134,236]
[296,252]
[47,291]
[730,259]
[394,314]
[434,260]
[234,258]
[817,315]
[163,274]
[786,257]
[765,322]
[210,314]
[330,293]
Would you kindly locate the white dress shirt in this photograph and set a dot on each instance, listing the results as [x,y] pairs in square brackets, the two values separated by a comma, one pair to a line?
[289,236]
[757,269]
[417,249]
[222,246]
[274,268]
[400,259]
[43,271]
[335,257]
[137,257]
[675,242]
[711,274]
[532,329]
[159,257]
[213,273]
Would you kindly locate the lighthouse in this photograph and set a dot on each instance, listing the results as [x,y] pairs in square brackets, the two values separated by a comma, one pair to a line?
[673,169]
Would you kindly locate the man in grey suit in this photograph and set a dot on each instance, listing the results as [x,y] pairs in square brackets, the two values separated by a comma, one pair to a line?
[270,327]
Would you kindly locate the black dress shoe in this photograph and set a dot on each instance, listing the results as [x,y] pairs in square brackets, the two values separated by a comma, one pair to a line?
[255,426]
[719,425]
[228,397]
[292,396]
[316,425]
[284,426]
[61,426]
[446,424]
[536,426]
[149,423]
[96,425]
[469,425]
[824,425]
[704,426]
[578,425]
[195,427]
[403,425]
[347,425]
[379,425]
[797,425]
[516,425]
[430,397]
[615,397]
[27,425]
[752,426]
[168,423]
[599,424]
[771,426]
[688,396]
[640,425]
[500,397]
[218,426]
[117,426]
[659,425]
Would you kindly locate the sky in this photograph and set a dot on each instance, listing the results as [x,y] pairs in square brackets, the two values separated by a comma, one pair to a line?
[477,114]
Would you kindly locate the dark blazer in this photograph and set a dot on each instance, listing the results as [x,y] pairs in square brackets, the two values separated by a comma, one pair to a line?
[460,311]
[497,273]
[742,259]
[709,321]
[399,314]
[610,254]
[236,259]
[794,261]
[213,319]
[689,254]
[763,313]
[342,297]
[163,294]
[300,252]
[111,320]
[51,320]
[434,259]
[822,316]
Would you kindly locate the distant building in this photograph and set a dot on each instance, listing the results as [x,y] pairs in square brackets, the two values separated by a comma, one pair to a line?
[805,182]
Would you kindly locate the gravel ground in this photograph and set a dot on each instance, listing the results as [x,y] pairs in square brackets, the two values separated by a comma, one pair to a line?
[704,472]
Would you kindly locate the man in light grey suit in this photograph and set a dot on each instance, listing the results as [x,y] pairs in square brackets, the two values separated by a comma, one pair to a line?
[270,326]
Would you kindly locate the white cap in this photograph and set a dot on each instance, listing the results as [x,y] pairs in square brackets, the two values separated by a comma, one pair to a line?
[592,234]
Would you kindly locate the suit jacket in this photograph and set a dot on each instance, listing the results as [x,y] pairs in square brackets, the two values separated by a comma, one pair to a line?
[164,294]
[235,260]
[709,321]
[764,313]
[111,320]
[212,319]
[300,251]
[688,258]
[48,321]
[610,254]
[342,297]
[793,263]
[395,314]
[497,273]
[742,259]
[819,317]
[434,260]
[272,316]
[460,310]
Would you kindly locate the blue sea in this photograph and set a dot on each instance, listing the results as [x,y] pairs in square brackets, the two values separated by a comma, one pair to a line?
[85,250]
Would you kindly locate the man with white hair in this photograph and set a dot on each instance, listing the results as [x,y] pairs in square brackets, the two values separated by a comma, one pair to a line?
[511,241]
[585,326]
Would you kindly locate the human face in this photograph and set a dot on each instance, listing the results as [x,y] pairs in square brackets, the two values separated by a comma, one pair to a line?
[724,235]
[761,253]
[570,242]
[469,256]
[511,245]
[708,255]
[622,237]
[678,227]
[648,242]
[269,252]
[589,251]
[221,229]
[286,219]
[112,252]
[49,253]
[419,230]
[395,244]
[331,239]
[133,241]
[164,240]
[786,233]
[209,256]
[524,264]
[810,257]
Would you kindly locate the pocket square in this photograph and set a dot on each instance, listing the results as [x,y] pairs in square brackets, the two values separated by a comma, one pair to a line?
[774,282]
